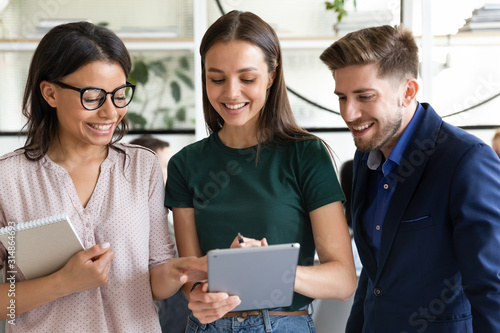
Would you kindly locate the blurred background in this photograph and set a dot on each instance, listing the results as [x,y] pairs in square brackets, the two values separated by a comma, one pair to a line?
[459,43]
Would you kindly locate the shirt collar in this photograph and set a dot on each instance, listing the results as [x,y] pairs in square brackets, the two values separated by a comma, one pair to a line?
[375,157]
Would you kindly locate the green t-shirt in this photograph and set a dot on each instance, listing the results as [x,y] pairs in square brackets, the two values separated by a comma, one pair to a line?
[272,198]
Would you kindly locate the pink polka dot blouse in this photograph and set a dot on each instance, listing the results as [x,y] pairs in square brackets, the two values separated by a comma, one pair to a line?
[126,209]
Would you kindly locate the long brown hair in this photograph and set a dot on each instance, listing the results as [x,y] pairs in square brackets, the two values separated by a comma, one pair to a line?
[62,51]
[276,123]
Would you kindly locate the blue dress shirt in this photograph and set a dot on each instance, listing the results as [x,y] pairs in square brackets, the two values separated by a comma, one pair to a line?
[382,181]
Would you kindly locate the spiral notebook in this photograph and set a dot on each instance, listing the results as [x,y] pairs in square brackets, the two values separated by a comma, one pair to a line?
[40,247]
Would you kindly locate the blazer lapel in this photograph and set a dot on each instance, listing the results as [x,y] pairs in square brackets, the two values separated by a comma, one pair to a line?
[397,208]
[423,145]
[358,207]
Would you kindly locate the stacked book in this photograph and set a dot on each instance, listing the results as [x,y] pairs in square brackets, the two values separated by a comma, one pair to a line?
[125,32]
[486,18]
[362,19]
[148,32]
[45,25]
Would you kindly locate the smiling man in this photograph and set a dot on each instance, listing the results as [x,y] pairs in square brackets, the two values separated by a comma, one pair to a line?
[425,200]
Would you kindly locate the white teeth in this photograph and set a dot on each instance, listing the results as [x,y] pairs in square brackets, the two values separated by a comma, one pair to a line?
[360,128]
[101,127]
[235,106]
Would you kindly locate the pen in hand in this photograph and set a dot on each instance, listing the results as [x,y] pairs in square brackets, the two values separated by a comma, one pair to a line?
[240,238]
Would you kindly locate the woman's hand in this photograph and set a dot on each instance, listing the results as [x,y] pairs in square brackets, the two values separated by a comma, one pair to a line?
[247,242]
[169,276]
[188,269]
[208,307]
[87,269]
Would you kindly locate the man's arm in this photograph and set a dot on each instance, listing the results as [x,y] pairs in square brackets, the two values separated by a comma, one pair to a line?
[475,211]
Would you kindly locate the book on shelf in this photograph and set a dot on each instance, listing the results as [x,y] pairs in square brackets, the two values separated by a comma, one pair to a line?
[483,25]
[50,23]
[145,32]
[491,6]
[489,18]
[45,25]
[378,17]
[39,247]
[363,19]
[486,18]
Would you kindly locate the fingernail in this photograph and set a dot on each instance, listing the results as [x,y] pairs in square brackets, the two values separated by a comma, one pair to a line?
[236,300]
[104,245]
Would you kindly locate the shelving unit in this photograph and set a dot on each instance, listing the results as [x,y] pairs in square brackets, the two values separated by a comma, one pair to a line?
[164,44]
[11,48]
[294,47]
[469,39]
[17,45]
[29,45]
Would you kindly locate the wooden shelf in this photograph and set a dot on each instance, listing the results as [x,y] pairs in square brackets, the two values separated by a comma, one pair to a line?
[142,44]
[489,38]
[321,42]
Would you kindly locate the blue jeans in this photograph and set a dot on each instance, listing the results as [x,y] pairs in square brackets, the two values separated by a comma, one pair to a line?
[255,324]
[173,313]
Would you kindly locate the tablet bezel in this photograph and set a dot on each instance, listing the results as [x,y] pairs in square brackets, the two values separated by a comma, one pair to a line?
[263,277]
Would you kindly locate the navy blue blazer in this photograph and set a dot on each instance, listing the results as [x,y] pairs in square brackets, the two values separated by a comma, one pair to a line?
[439,265]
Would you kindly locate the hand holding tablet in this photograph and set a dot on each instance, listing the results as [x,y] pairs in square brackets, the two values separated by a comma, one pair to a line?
[263,277]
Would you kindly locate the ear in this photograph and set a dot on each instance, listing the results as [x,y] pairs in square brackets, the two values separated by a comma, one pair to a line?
[272,76]
[410,93]
[49,93]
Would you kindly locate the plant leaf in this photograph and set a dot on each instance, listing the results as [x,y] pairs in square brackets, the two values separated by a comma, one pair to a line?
[136,120]
[163,111]
[158,68]
[328,5]
[176,91]
[168,121]
[180,115]
[184,63]
[140,73]
[184,78]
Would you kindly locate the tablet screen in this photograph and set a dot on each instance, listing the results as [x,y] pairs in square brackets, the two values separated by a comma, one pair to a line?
[263,277]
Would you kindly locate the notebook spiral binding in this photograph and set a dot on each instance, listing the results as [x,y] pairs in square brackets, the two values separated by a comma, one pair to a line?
[33,224]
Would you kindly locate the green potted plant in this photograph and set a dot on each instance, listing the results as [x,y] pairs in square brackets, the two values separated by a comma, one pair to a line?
[160,85]
[338,7]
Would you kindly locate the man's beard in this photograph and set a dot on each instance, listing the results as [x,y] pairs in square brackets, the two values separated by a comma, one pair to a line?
[382,137]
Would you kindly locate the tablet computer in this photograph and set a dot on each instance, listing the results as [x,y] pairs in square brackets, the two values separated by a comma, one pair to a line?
[263,277]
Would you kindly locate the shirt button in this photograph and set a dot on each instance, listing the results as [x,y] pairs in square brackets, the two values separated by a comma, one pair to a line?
[377,227]
[377,291]
[386,186]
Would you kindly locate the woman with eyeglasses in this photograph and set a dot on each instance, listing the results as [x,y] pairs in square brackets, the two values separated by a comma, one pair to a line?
[75,103]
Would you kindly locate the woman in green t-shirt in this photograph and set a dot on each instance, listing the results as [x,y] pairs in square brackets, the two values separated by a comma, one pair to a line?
[260,174]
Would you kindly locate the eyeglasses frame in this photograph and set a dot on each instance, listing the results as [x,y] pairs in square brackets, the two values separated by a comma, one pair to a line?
[112,93]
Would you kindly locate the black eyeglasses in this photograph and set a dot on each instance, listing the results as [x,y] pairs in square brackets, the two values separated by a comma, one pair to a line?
[93,98]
